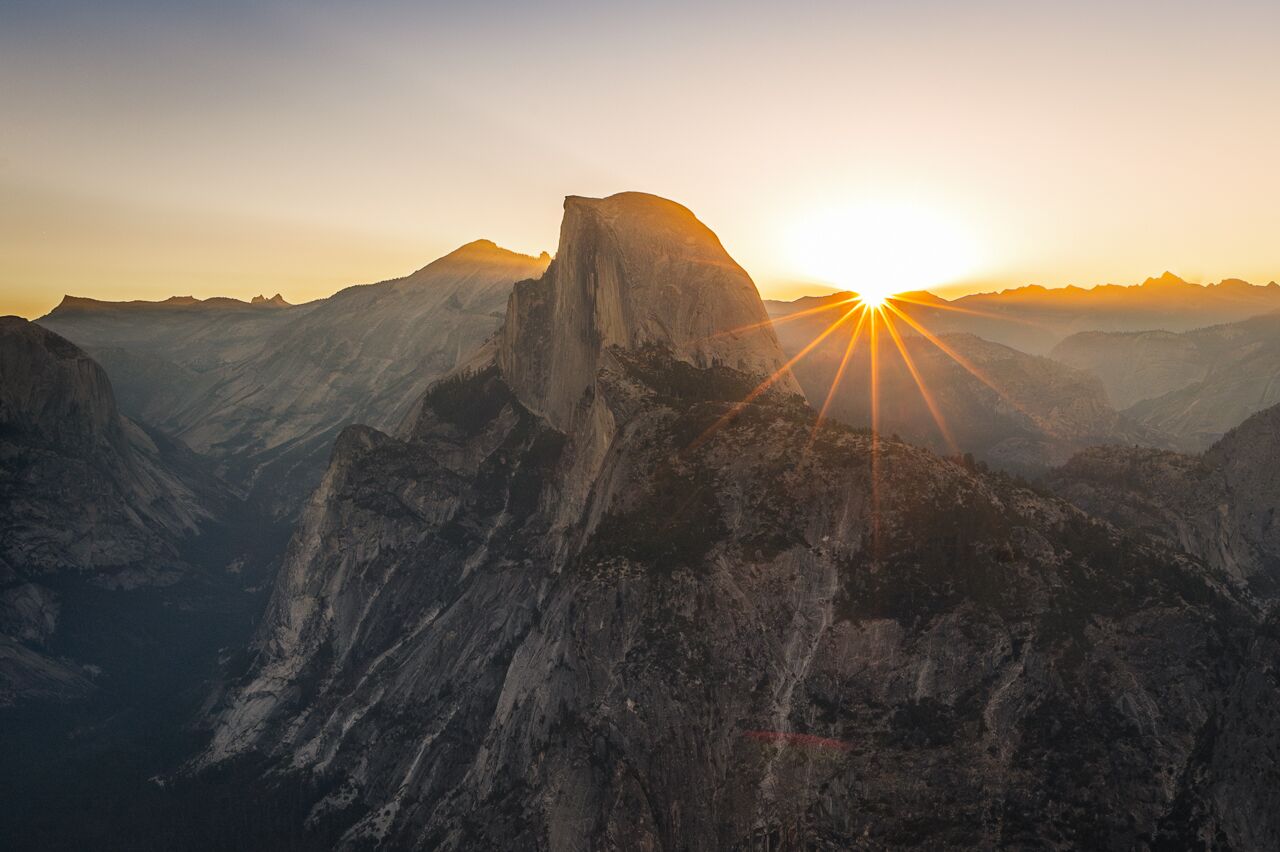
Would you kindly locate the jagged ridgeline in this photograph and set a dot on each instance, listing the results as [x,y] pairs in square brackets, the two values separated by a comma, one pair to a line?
[583,598]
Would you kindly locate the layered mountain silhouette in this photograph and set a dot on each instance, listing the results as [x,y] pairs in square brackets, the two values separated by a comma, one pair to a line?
[586,597]
[264,387]
[1034,319]
[1195,386]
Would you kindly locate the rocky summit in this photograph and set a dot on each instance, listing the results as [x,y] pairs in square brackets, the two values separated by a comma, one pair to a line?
[586,597]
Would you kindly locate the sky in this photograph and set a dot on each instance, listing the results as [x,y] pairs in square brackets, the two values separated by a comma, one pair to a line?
[150,149]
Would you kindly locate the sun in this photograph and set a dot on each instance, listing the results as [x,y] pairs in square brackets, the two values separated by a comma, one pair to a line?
[881,254]
[880,249]
[874,299]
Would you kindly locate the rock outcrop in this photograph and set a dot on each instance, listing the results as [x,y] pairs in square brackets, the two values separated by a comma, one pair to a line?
[264,387]
[633,270]
[1221,506]
[618,608]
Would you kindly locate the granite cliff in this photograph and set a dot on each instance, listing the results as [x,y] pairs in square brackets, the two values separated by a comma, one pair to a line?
[587,598]
[90,500]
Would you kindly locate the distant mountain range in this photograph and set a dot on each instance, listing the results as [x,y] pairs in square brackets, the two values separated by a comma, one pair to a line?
[1034,319]
[1194,386]
[264,387]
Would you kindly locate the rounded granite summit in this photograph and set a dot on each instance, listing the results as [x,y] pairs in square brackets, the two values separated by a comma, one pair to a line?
[632,270]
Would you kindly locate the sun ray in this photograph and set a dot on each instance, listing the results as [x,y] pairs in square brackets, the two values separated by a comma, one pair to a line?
[765,385]
[788,318]
[948,306]
[875,434]
[929,401]
[953,354]
[844,363]
[969,366]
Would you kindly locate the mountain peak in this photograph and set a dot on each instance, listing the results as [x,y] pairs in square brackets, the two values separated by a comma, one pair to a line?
[477,247]
[632,270]
[276,301]
[485,250]
[484,258]
[1166,279]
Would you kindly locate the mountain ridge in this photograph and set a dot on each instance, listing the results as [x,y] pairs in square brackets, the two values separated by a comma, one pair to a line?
[264,391]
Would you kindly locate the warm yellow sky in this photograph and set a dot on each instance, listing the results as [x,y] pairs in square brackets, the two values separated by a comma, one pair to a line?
[152,149]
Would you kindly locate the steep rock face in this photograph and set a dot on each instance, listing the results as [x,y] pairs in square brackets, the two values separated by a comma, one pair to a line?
[84,488]
[1195,386]
[658,618]
[632,269]
[1221,506]
[87,498]
[265,387]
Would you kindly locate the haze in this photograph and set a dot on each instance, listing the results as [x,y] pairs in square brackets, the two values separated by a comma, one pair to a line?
[152,149]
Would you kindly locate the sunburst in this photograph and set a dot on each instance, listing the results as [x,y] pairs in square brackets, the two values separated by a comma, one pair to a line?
[869,319]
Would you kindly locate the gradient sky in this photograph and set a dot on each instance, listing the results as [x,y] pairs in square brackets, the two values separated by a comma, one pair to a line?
[149,149]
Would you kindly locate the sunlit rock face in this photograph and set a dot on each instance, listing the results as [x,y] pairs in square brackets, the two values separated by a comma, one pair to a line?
[265,387]
[593,610]
[87,498]
[632,270]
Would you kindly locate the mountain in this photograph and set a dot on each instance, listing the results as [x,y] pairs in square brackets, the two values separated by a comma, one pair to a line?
[1195,386]
[1016,411]
[129,575]
[264,387]
[90,501]
[1220,506]
[1034,319]
[588,597]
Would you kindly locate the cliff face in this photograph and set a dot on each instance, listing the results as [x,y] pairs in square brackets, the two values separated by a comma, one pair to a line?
[84,488]
[632,270]
[264,388]
[617,609]
[1219,506]
[88,499]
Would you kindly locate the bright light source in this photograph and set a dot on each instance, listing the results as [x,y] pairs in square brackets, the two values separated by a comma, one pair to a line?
[877,250]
